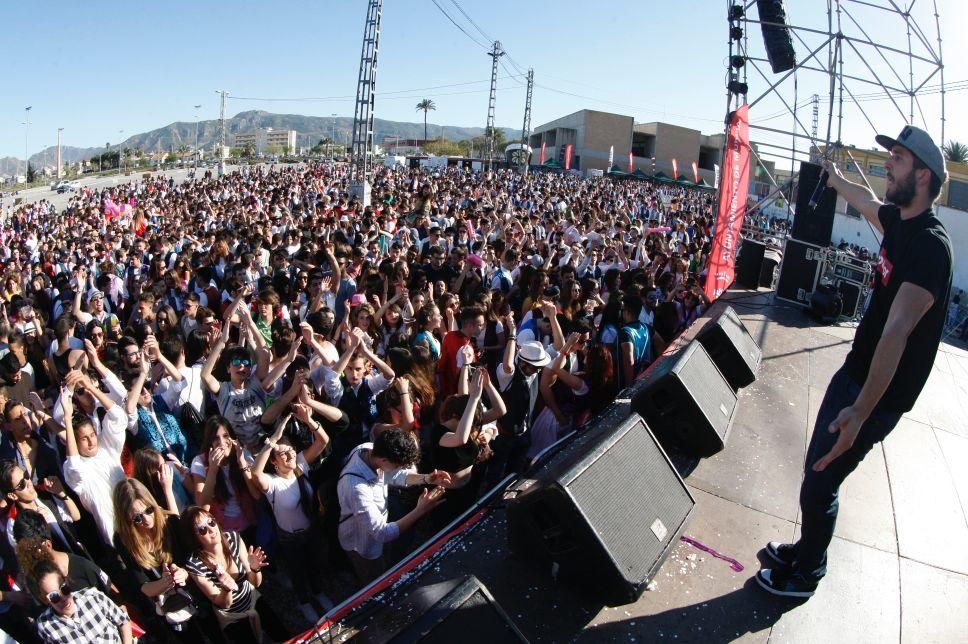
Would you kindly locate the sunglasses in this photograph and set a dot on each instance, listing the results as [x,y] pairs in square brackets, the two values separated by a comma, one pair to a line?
[241,362]
[20,487]
[139,518]
[205,528]
[56,597]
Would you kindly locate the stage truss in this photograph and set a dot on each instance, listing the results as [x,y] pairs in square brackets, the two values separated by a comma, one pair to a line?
[863,67]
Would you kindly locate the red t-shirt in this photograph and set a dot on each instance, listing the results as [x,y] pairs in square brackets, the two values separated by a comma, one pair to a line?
[447,364]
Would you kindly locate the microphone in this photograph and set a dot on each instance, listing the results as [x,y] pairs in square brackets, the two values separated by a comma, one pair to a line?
[818,191]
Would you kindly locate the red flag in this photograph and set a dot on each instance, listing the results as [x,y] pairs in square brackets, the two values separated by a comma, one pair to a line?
[544,144]
[732,205]
[675,169]
[631,164]
[695,171]
[568,149]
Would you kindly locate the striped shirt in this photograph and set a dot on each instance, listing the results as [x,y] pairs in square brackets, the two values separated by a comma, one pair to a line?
[242,595]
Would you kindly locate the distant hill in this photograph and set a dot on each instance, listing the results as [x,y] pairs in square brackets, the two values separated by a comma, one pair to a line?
[310,129]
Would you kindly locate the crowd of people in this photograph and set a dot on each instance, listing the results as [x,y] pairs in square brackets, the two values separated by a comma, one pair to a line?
[250,378]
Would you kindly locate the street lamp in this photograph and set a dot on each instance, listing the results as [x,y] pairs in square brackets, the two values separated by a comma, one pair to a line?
[26,147]
[57,173]
[197,107]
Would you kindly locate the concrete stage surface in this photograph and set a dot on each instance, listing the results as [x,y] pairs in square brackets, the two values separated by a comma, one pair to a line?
[898,564]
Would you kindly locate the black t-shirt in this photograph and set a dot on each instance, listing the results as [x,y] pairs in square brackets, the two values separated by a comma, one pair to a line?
[85,574]
[918,251]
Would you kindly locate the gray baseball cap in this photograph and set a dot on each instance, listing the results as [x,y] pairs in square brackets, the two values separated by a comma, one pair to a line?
[921,145]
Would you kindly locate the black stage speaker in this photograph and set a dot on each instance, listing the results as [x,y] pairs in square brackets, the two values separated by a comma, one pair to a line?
[826,304]
[732,348]
[776,36]
[457,610]
[771,261]
[813,225]
[748,263]
[687,402]
[799,272]
[605,511]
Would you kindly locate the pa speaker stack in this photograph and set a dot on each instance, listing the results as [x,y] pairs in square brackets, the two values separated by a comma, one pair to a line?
[776,35]
[813,224]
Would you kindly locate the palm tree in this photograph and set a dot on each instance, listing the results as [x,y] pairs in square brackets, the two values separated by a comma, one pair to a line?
[426,105]
[955,152]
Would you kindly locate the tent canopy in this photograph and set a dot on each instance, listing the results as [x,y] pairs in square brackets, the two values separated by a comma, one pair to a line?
[552,163]
[617,171]
[640,174]
[661,176]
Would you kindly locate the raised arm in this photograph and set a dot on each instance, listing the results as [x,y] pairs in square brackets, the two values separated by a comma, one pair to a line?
[858,196]
[259,476]
[304,413]
[462,434]
[550,311]
[210,382]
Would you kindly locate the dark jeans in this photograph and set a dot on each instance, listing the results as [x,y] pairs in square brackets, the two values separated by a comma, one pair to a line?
[301,556]
[820,490]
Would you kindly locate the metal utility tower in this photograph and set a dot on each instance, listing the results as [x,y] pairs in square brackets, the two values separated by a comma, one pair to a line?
[365,94]
[526,127]
[221,133]
[495,54]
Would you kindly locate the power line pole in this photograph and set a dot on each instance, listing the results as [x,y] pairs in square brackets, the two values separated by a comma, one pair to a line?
[363,134]
[495,55]
[221,133]
[197,107]
[526,127]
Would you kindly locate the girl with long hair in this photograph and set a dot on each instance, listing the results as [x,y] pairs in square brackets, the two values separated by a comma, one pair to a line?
[146,538]
[229,574]
[222,479]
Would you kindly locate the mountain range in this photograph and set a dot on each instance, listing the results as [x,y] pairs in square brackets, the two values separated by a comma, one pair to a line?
[309,129]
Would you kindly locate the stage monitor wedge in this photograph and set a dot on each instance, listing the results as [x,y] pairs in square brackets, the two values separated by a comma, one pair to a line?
[686,402]
[456,610]
[603,513]
[732,348]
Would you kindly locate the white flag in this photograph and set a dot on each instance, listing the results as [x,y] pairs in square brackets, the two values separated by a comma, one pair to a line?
[611,156]
[716,179]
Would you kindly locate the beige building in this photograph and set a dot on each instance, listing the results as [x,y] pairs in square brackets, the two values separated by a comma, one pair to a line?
[591,133]
[260,139]
[653,146]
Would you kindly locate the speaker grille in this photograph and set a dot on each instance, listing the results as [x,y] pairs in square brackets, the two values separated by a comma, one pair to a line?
[702,377]
[633,475]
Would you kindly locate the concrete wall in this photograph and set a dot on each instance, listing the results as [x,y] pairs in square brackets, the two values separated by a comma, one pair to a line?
[601,131]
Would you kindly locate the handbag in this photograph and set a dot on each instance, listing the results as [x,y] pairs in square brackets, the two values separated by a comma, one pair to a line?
[177,606]
[189,419]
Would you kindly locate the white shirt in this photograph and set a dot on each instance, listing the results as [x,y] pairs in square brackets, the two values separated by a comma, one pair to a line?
[283,495]
[93,477]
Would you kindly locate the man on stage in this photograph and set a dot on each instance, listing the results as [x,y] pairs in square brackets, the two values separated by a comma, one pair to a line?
[892,354]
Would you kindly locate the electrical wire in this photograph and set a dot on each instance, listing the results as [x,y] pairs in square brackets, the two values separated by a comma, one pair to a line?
[463,31]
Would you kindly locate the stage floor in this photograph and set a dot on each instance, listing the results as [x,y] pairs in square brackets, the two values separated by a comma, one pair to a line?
[898,565]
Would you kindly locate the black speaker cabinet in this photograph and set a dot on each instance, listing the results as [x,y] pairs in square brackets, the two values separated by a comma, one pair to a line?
[776,35]
[732,348]
[457,610]
[604,512]
[852,296]
[687,402]
[749,262]
[769,266]
[813,225]
[799,272]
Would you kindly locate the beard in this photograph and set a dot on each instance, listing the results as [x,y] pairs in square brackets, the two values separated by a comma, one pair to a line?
[902,193]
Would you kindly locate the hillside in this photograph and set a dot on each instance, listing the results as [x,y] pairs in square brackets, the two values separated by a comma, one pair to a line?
[310,130]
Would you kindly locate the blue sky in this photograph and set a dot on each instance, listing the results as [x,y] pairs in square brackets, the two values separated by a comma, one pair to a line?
[102,66]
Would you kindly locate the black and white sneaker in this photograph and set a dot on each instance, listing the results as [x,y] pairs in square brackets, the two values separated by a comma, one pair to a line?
[785,583]
[782,553]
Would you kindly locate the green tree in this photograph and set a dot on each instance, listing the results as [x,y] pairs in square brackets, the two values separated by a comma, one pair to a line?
[426,105]
[955,152]
[183,150]
[31,173]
